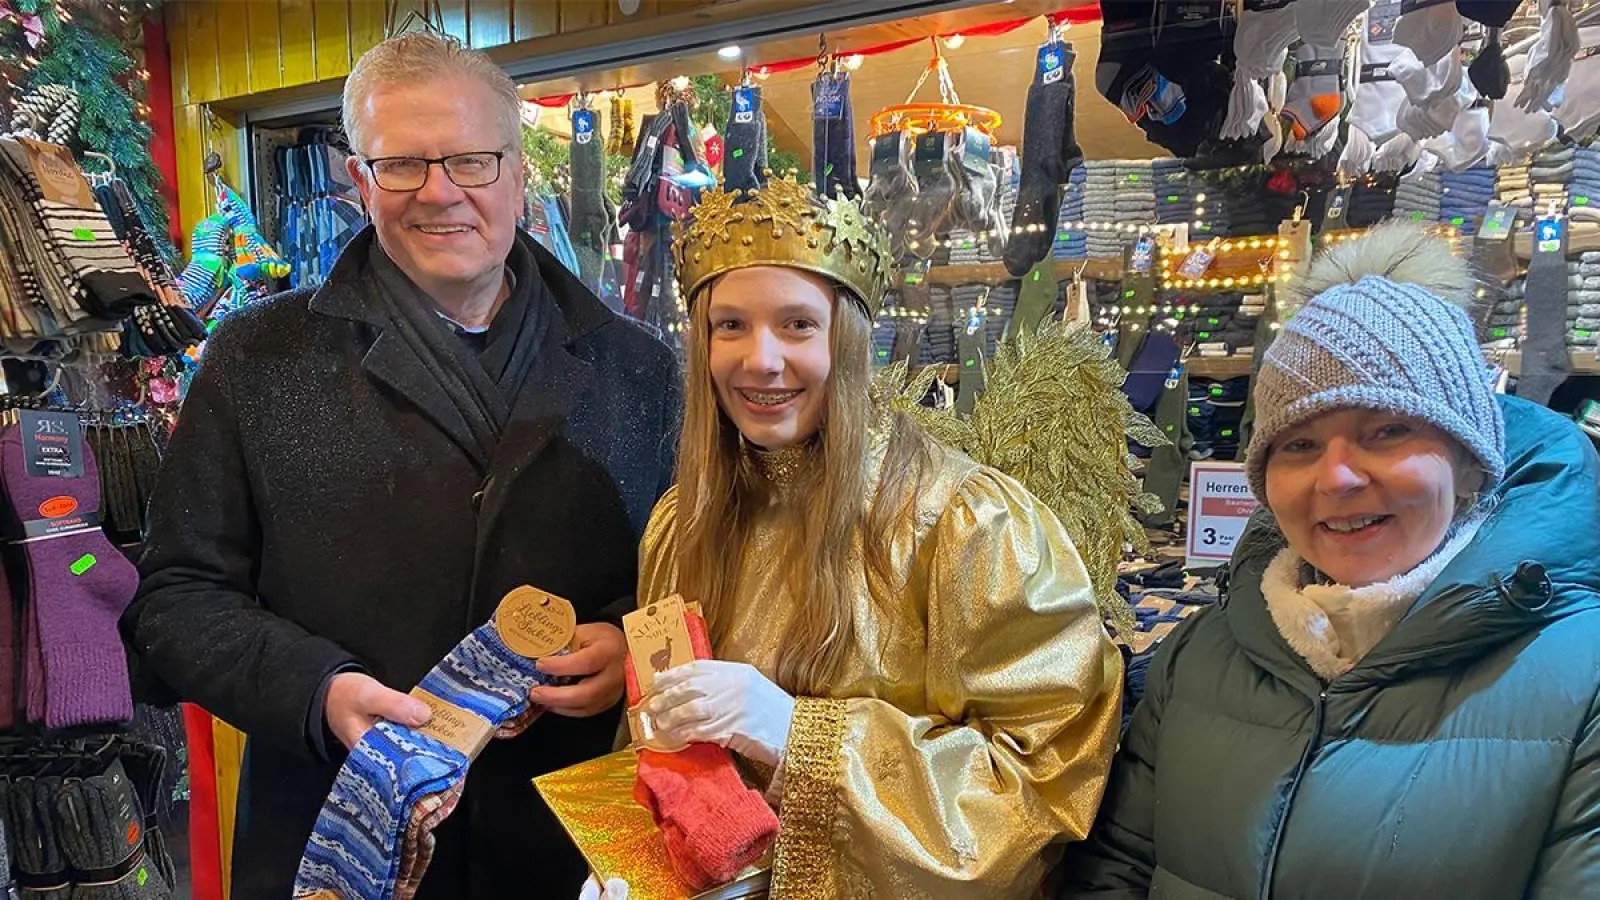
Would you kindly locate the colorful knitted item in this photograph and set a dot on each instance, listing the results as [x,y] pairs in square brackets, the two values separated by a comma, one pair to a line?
[253,257]
[210,249]
[374,836]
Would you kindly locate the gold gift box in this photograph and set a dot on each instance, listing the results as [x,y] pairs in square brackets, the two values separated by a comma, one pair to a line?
[594,802]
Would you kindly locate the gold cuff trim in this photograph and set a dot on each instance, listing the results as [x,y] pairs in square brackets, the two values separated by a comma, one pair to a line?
[804,864]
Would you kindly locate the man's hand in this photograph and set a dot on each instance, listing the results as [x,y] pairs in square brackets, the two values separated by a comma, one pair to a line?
[356,702]
[597,664]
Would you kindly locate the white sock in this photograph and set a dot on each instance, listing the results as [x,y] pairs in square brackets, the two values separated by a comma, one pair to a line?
[1520,131]
[1356,160]
[1379,94]
[1551,57]
[1466,143]
[1431,32]
[1260,43]
[1425,83]
[1397,154]
[1580,102]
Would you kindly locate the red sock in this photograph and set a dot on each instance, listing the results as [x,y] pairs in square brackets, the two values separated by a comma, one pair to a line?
[713,825]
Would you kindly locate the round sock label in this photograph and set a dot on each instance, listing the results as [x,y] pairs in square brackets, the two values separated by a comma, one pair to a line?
[56,507]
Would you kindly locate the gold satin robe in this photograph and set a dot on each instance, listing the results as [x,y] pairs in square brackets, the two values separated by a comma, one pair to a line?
[971,733]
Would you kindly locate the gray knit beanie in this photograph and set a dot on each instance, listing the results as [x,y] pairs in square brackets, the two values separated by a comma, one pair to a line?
[1383,329]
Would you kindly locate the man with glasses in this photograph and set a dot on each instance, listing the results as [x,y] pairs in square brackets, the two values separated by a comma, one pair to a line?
[363,470]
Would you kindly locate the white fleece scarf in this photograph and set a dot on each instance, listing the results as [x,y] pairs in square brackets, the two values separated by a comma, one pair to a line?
[1333,626]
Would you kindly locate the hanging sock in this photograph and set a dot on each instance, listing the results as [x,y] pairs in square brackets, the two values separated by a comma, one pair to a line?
[1579,110]
[590,221]
[1545,363]
[1314,97]
[1358,155]
[745,141]
[1049,154]
[1550,60]
[78,586]
[1431,28]
[892,189]
[398,783]
[1260,44]
[833,136]
[253,257]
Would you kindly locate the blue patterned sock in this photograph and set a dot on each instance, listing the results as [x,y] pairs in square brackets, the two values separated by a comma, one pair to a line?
[356,849]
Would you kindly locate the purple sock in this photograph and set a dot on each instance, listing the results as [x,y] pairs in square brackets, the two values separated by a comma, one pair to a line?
[78,586]
[9,646]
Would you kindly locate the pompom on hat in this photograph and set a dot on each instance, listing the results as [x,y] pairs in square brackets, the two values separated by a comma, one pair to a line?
[1383,327]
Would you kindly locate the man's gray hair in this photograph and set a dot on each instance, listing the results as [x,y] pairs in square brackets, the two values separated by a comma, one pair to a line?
[419,57]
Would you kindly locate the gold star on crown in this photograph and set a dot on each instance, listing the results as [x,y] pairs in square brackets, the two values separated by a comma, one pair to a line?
[783,224]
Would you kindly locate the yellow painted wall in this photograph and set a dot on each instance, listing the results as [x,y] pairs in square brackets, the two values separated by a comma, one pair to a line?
[227,54]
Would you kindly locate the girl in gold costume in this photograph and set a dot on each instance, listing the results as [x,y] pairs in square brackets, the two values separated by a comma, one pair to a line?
[906,640]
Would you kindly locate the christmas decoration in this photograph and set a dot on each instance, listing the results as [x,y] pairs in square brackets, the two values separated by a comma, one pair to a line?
[51,50]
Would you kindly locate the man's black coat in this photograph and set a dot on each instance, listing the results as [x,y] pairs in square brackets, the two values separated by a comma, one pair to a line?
[317,509]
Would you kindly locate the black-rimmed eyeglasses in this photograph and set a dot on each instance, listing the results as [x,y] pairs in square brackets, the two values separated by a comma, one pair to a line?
[403,174]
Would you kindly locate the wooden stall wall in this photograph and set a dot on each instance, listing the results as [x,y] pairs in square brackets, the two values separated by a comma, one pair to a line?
[227,54]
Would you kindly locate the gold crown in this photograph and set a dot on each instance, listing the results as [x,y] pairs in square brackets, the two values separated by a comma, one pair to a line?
[783,224]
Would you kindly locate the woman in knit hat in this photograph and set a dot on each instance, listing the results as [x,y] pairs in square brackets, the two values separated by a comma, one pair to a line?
[1397,696]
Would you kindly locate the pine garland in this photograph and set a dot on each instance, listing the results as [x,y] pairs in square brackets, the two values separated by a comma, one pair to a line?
[94,64]
[81,50]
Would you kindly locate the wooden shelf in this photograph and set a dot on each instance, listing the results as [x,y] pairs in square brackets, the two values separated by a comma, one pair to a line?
[1584,362]
[1220,366]
[995,273]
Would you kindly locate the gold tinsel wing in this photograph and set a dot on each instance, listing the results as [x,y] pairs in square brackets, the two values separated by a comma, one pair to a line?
[1053,416]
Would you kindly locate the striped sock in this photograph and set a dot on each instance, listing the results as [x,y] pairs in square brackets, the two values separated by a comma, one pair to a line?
[83,245]
[373,837]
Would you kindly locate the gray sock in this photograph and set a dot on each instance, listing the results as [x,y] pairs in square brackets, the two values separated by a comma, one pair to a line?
[1545,364]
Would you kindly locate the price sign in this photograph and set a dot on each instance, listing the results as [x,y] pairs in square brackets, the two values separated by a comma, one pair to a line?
[1220,503]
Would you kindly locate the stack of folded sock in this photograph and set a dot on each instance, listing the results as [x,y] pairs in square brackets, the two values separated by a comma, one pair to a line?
[1583,302]
[1583,192]
[1216,410]
[1504,323]
[964,248]
[1213,213]
[1100,207]
[1136,192]
[1418,197]
[1371,203]
[1550,174]
[940,338]
[1002,305]
[882,340]
[1512,188]
[1175,192]
[1225,324]
[1463,195]
[1254,211]
[1072,243]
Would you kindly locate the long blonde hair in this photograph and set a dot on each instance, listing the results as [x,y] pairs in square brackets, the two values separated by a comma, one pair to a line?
[717,493]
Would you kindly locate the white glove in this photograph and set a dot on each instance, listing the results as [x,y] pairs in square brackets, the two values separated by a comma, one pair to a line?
[725,703]
[615,889]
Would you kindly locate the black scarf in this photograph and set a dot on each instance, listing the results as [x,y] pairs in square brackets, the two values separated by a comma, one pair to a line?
[483,387]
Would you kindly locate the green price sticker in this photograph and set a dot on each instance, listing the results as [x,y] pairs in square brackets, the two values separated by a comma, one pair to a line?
[83,234]
[84,563]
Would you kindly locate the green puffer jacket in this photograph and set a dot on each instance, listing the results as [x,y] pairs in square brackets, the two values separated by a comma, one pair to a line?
[1459,760]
